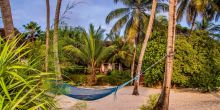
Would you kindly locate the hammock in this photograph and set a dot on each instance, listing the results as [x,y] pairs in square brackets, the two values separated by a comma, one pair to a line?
[94,94]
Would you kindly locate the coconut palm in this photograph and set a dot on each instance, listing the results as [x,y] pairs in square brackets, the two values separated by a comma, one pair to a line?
[7,17]
[211,28]
[47,33]
[163,101]
[33,30]
[55,40]
[193,8]
[92,52]
[134,19]
[144,45]
[122,53]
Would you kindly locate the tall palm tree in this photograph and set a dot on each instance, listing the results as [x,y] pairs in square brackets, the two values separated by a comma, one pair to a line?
[47,33]
[92,51]
[134,19]
[55,40]
[7,18]
[33,30]
[144,45]
[163,101]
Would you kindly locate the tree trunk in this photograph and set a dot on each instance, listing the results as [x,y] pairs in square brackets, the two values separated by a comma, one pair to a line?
[7,18]
[144,45]
[163,101]
[133,62]
[47,34]
[55,40]
[92,79]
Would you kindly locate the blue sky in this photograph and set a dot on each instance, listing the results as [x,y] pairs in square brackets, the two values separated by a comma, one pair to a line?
[90,11]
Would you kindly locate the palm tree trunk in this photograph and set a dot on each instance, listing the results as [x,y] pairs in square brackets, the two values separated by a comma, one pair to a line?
[144,45]
[47,34]
[7,18]
[55,40]
[193,22]
[92,78]
[133,61]
[163,101]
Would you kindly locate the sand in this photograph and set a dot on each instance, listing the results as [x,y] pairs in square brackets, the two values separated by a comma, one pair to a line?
[180,99]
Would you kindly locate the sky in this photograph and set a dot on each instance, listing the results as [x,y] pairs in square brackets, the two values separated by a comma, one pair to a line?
[86,12]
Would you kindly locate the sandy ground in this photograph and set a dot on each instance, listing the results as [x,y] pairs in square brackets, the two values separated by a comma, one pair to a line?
[181,99]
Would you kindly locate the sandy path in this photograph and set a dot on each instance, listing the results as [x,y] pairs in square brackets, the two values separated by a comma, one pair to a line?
[179,100]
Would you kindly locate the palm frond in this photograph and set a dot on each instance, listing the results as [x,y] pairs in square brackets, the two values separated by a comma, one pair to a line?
[116,14]
[120,23]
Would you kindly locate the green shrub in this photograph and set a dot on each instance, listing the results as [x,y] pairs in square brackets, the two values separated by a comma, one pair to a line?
[80,106]
[77,79]
[196,61]
[151,103]
[118,77]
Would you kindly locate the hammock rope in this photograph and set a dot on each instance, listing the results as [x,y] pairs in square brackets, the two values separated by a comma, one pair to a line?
[95,94]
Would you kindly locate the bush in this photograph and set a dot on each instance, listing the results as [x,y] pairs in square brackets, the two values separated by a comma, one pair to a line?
[196,62]
[151,103]
[118,77]
[77,79]
[114,78]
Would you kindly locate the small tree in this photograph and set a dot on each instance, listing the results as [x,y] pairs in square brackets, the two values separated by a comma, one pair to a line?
[92,52]
[33,30]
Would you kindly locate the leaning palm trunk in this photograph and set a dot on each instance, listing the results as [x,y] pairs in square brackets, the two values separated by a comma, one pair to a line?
[47,34]
[144,45]
[7,18]
[55,40]
[163,102]
[133,62]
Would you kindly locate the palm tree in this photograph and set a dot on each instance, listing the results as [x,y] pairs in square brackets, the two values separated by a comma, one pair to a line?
[134,19]
[47,33]
[122,53]
[163,101]
[7,17]
[33,30]
[193,8]
[211,28]
[144,45]
[55,40]
[92,52]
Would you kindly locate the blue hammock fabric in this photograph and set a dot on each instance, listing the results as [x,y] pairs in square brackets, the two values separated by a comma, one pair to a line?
[88,94]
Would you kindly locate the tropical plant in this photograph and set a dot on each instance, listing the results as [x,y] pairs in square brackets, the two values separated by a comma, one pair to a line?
[33,30]
[55,40]
[93,52]
[151,102]
[20,84]
[163,101]
[7,17]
